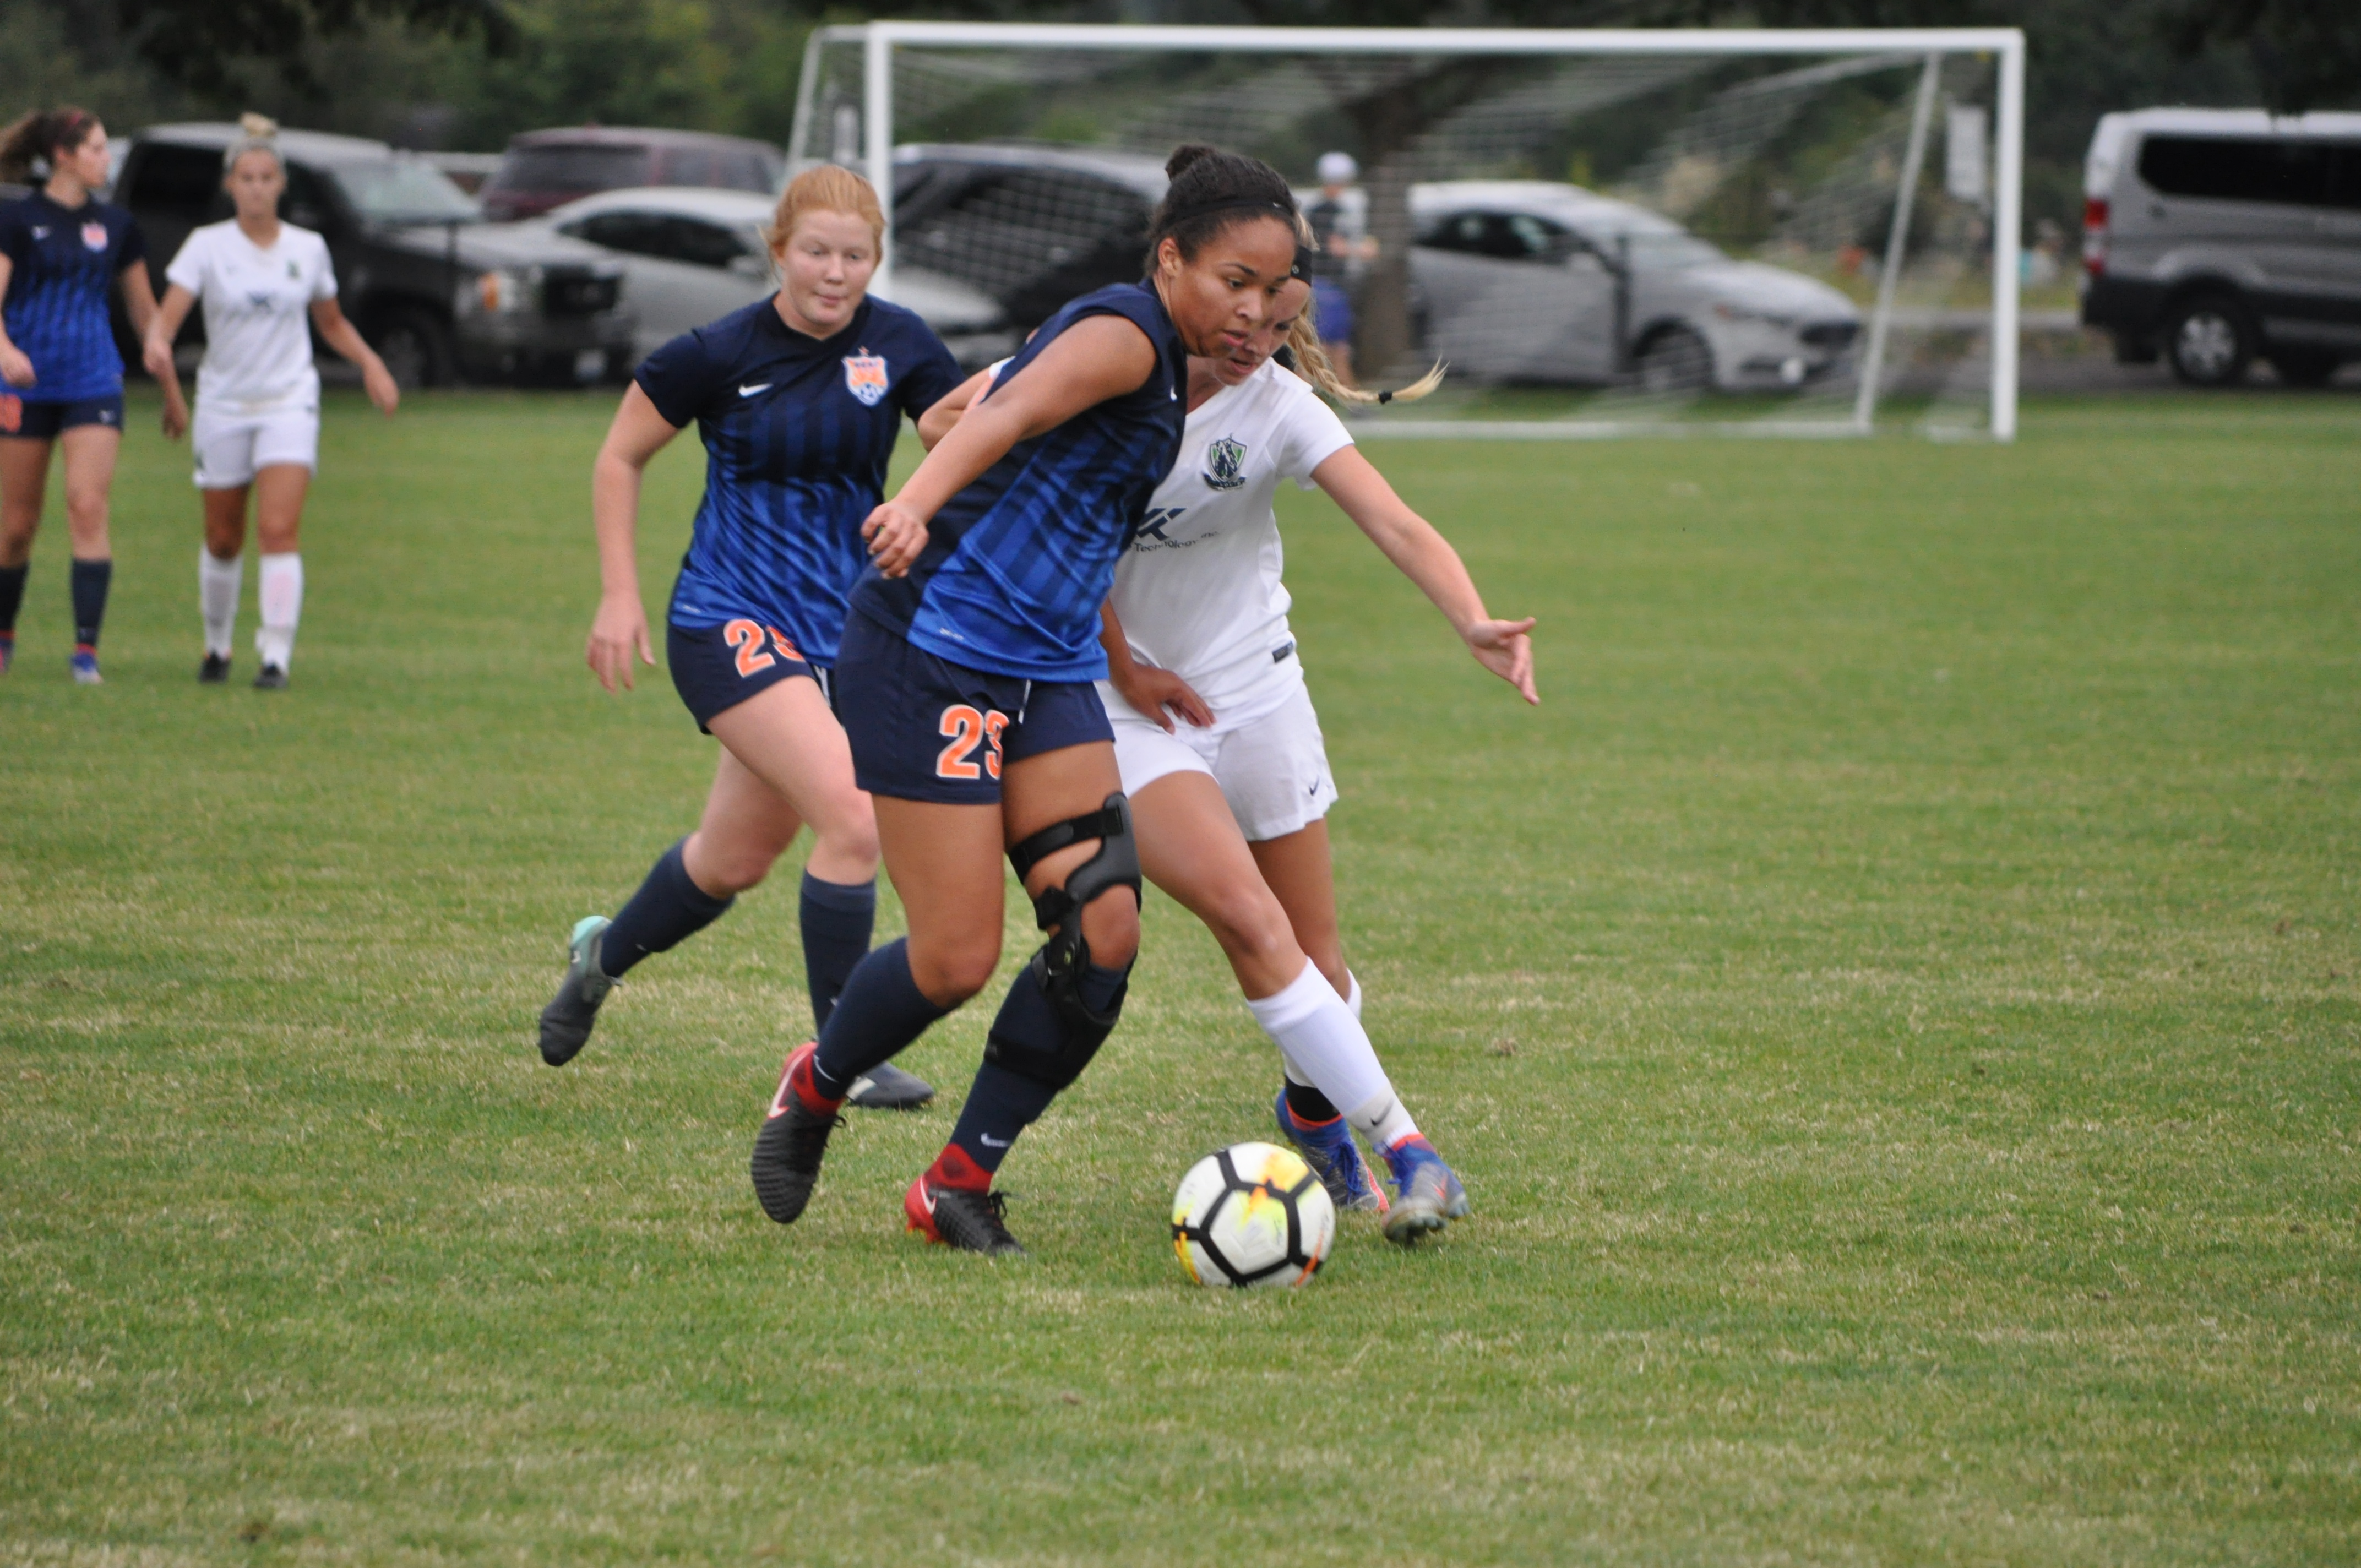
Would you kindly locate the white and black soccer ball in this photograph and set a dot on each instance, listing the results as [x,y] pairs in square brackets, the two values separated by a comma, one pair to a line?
[1252,1214]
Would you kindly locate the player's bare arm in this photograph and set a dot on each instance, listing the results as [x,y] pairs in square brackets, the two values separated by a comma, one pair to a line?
[15,367]
[1092,361]
[1149,690]
[620,630]
[344,337]
[936,422]
[155,340]
[1426,558]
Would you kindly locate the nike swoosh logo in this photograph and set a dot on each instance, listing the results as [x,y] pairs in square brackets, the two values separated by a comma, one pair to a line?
[927,1197]
[750,391]
[988,1141]
[779,1101]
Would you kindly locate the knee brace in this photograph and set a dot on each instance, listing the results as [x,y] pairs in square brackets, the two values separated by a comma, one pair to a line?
[1057,969]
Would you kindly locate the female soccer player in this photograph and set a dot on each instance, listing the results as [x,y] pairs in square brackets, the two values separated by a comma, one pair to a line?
[1230,811]
[799,399]
[62,249]
[257,425]
[966,688]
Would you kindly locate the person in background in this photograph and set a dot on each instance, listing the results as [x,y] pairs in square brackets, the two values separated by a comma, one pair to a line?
[1341,246]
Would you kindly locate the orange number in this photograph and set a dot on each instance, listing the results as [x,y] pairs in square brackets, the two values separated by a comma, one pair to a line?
[747,638]
[994,723]
[964,725]
[779,640]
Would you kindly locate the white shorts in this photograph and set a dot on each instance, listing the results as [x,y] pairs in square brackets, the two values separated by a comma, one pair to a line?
[230,446]
[1272,769]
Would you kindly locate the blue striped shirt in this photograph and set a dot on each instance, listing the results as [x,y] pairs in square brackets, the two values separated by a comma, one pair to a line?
[64,260]
[1017,565]
[797,432]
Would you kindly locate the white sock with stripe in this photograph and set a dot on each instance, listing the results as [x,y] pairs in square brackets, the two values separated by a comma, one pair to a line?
[1326,1045]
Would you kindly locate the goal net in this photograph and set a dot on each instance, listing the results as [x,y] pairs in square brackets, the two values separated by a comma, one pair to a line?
[1688,232]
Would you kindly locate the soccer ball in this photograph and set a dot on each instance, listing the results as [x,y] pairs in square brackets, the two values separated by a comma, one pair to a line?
[1252,1214]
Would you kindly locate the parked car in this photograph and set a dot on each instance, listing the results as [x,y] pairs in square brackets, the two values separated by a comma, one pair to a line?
[1530,280]
[542,169]
[2213,236]
[690,255]
[434,289]
[1030,227]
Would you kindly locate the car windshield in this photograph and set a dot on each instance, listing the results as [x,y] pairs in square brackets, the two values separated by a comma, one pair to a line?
[403,190]
[1656,242]
[560,166]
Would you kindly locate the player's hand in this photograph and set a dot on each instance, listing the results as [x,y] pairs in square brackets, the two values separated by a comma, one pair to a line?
[176,417]
[386,392]
[157,357]
[1504,648]
[15,367]
[896,536]
[620,630]
[1158,693]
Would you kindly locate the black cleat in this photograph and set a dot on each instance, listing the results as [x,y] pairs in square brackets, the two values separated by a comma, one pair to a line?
[887,1087]
[789,1149]
[566,1021]
[215,670]
[956,1217]
[270,678]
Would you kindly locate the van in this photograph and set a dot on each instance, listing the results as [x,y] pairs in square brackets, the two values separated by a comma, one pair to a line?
[2216,236]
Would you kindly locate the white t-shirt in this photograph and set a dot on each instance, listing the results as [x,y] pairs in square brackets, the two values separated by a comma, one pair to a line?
[1199,591]
[258,314]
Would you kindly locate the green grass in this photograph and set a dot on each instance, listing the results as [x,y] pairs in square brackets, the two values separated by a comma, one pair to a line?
[1893,1006]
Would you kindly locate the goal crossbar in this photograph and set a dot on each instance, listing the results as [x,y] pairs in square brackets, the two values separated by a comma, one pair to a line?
[2005,45]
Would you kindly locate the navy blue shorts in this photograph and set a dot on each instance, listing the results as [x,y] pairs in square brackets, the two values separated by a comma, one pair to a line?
[42,421]
[924,728]
[715,668]
[1332,310]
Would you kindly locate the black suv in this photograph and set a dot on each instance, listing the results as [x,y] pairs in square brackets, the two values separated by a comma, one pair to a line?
[1031,226]
[434,289]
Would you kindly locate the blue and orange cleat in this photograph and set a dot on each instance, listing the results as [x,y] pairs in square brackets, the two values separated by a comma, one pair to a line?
[1427,1196]
[84,663]
[1328,1148]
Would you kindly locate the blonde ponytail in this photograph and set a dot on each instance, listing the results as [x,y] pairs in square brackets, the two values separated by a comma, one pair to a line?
[1311,362]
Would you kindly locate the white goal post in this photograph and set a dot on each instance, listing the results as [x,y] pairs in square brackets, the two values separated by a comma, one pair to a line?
[839,115]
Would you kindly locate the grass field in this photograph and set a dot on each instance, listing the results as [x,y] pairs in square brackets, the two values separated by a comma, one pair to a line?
[1894,1006]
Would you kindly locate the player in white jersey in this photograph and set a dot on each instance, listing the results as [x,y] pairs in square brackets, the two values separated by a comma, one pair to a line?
[264,284]
[1230,801]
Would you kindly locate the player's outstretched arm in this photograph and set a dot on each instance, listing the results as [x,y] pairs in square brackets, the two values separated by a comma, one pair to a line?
[1426,558]
[936,422]
[1096,358]
[345,339]
[620,630]
[1149,690]
[156,339]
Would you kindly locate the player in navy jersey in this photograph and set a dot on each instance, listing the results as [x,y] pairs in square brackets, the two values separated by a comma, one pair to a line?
[966,684]
[61,251]
[798,399]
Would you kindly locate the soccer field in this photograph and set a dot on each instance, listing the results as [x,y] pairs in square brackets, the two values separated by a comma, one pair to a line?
[1893,1004]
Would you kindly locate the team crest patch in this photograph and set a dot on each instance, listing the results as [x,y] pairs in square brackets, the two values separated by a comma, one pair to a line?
[1225,461]
[864,377]
[94,236]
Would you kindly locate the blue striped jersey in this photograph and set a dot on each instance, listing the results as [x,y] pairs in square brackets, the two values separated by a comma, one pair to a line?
[63,261]
[797,432]
[1017,565]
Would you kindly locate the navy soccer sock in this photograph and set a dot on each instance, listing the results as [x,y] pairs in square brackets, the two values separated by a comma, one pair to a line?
[1000,1104]
[90,582]
[12,594]
[668,908]
[1308,1104]
[836,921]
[880,1011]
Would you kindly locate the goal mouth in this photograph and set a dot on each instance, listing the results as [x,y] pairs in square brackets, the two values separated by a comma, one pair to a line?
[1773,233]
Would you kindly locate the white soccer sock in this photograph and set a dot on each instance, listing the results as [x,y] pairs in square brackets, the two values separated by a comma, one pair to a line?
[281,592]
[1353,995]
[1325,1045]
[217,588]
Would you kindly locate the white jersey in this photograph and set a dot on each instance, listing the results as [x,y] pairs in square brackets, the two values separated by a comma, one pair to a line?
[257,307]
[1199,591]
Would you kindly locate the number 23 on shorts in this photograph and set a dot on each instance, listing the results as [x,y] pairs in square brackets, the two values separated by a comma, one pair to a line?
[747,638]
[967,729]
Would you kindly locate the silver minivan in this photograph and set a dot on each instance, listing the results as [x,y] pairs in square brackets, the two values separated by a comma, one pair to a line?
[2215,236]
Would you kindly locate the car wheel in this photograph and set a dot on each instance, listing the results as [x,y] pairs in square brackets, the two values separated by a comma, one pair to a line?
[416,348]
[2304,368]
[1676,360]
[2210,340]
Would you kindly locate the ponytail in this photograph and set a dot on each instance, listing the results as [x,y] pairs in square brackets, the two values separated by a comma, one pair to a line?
[1302,353]
[40,136]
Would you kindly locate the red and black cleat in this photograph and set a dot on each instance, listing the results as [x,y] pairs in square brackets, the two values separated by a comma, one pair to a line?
[794,1140]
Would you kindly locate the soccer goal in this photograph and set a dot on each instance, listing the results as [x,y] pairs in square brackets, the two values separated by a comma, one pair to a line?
[1731,232]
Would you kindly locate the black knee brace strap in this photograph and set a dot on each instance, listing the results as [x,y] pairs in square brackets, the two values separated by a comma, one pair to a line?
[1058,966]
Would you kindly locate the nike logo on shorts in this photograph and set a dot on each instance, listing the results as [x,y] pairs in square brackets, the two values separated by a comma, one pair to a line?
[750,391]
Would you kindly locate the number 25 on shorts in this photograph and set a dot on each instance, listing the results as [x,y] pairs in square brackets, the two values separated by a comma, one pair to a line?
[967,729]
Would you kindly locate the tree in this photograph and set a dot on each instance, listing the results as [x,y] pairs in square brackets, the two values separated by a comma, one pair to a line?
[199,43]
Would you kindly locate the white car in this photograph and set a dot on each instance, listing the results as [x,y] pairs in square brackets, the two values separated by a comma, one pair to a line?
[1518,280]
[690,254]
